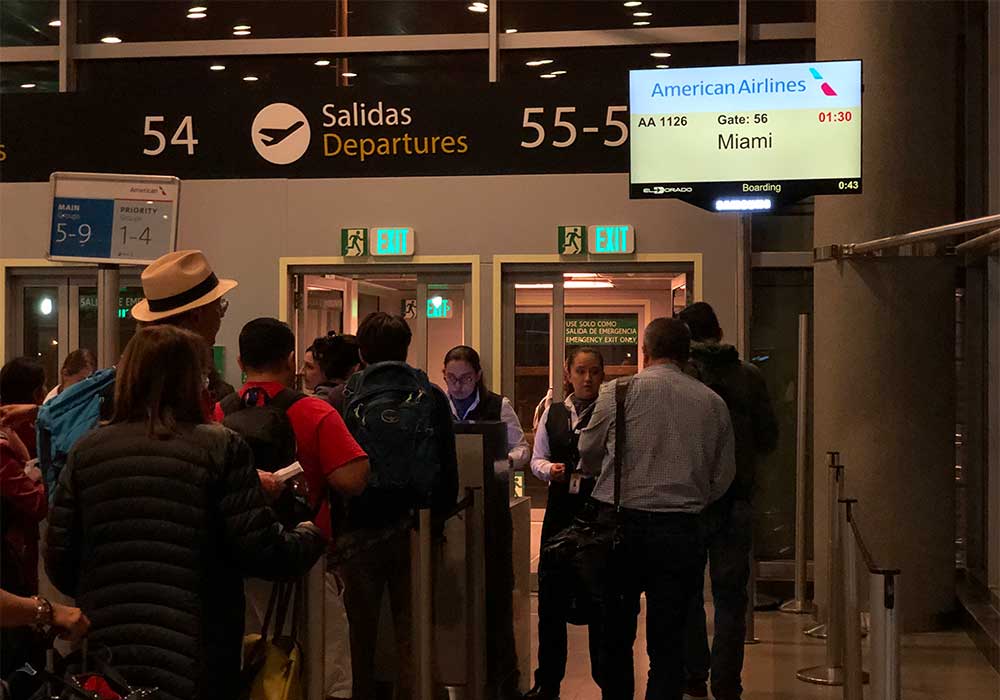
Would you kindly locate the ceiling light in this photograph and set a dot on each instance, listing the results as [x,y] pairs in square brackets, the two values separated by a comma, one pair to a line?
[250,78]
[349,75]
[218,66]
[27,86]
[662,65]
[241,32]
[110,40]
[660,54]
[580,275]
[55,23]
[544,285]
[540,62]
[583,284]
[633,3]
[754,204]
[199,8]
[241,28]
[478,7]
[558,72]
[322,62]
[45,307]
[642,14]
[510,31]
[548,75]
[196,15]
[640,24]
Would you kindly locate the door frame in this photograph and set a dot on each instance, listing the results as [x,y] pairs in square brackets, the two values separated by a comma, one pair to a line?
[694,259]
[472,261]
[5,279]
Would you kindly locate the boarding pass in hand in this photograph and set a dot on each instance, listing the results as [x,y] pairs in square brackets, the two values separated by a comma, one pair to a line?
[289,472]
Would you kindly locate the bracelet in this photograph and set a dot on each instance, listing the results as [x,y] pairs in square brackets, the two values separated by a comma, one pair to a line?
[43,612]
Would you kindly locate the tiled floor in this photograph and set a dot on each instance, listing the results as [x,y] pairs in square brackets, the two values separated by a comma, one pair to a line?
[941,666]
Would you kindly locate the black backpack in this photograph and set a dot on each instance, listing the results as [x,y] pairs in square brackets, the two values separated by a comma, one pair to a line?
[390,412]
[263,422]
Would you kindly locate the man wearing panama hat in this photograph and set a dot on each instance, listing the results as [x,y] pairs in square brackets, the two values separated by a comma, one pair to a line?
[181,290]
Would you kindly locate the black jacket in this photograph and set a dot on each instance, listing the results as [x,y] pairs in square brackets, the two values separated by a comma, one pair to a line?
[742,387]
[154,539]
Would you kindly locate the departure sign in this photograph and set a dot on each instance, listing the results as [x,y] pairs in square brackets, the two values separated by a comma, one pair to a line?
[105,218]
[746,137]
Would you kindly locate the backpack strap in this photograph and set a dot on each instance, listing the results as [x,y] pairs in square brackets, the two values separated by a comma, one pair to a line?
[231,404]
[285,399]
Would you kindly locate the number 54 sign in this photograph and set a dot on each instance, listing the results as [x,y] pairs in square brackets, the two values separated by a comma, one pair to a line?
[99,217]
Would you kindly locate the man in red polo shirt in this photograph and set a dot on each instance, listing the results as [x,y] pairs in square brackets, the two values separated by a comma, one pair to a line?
[328,454]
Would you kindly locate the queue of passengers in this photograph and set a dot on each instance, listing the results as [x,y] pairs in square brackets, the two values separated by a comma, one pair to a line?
[168,521]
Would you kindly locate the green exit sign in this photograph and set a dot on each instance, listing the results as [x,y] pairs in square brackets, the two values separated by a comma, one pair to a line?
[387,241]
[439,307]
[353,242]
[610,240]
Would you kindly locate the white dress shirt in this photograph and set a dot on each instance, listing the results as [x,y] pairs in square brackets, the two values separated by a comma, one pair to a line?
[540,464]
[518,449]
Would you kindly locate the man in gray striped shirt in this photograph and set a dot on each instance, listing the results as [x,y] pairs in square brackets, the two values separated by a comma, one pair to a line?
[678,458]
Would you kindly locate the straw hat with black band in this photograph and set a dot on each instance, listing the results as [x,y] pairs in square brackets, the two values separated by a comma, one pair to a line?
[176,283]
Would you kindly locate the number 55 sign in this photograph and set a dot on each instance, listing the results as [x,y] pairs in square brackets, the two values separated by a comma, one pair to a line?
[104,218]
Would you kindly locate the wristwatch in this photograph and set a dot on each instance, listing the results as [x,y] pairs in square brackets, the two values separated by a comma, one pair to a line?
[43,612]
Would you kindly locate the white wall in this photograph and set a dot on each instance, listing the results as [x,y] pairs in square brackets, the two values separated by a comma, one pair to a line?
[244,226]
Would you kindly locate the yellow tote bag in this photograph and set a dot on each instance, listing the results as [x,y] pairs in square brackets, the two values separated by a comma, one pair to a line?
[272,666]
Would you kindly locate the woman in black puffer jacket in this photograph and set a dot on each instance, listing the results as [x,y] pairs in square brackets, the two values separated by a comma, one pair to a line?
[157,519]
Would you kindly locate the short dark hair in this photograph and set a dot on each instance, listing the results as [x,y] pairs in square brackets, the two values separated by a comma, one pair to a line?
[20,380]
[266,343]
[701,319]
[160,381]
[335,354]
[383,337]
[77,361]
[668,339]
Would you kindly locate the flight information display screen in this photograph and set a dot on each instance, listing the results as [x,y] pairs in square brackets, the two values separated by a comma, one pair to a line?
[728,137]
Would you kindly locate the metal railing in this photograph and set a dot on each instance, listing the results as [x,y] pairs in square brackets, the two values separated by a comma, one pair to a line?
[927,235]
[844,656]
[979,243]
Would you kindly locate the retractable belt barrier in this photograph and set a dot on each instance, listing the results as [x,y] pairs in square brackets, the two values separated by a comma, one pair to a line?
[844,662]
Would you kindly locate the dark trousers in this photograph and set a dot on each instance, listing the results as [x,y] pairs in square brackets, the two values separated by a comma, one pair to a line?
[661,555]
[729,538]
[562,508]
[366,576]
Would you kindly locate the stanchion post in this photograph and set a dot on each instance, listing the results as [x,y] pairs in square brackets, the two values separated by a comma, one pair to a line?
[751,624]
[314,630]
[885,636]
[802,605]
[421,596]
[853,670]
[475,586]
[832,672]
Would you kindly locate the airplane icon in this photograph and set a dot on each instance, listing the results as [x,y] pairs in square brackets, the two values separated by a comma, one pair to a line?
[272,137]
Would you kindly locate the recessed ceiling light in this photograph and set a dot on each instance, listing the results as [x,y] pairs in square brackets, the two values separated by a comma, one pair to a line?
[217,66]
[196,15]
[540,62]
[27,86]
[322,62]
[110,40]
[241,27]
[642,14]
[660,54]
[55,23]
[510,31]
[241,32]
[250,78]
[558,72]
[633,3]
[548,75]
[479,7]
[199,8]
[663,66]
[349,75]
[640,24]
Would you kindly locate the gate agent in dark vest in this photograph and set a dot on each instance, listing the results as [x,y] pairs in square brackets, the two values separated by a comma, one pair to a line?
[470,401]
[555,461]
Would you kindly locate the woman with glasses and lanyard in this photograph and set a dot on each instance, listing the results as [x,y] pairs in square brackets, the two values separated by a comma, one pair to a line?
[470,401]
[555,462]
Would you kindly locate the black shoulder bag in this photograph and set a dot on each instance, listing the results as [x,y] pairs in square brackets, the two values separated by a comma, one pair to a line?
[579,560]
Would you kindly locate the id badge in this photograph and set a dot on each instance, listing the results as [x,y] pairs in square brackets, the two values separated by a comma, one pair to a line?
[574,483]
